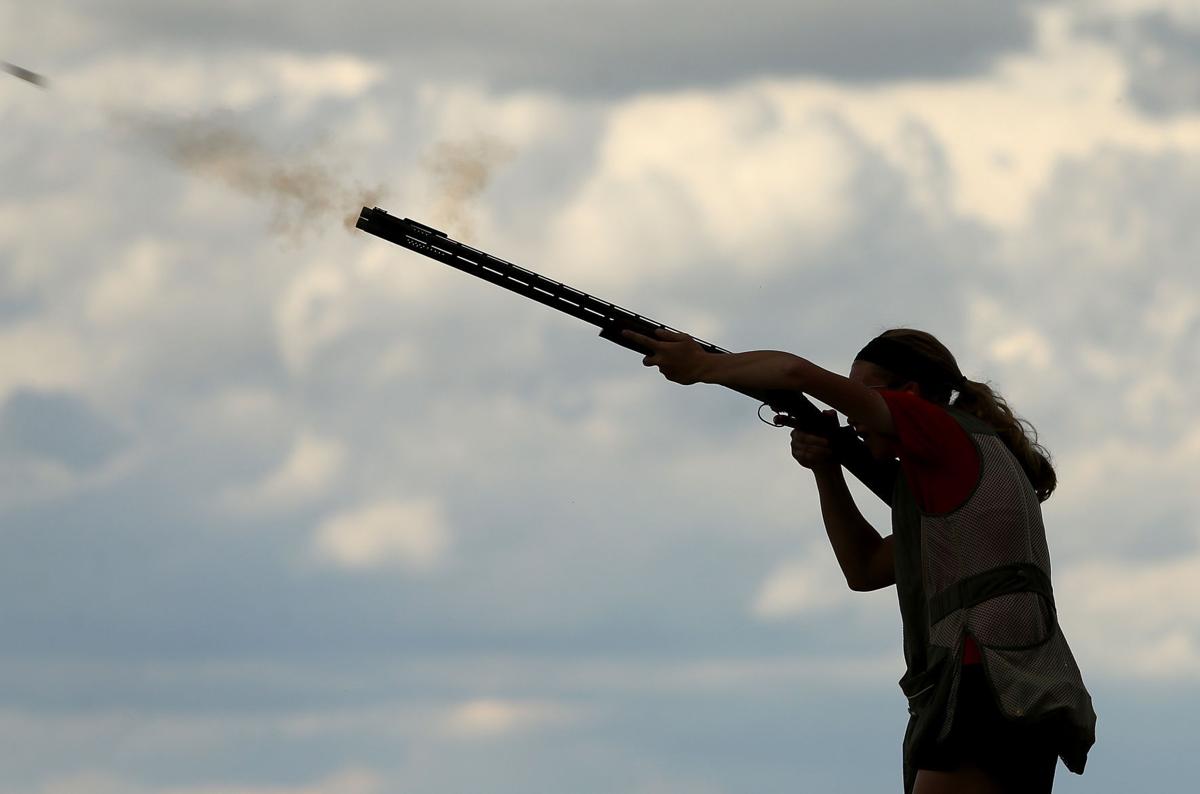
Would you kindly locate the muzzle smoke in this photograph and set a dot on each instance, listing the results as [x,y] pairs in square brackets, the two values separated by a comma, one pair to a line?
[460,172]
[306,192]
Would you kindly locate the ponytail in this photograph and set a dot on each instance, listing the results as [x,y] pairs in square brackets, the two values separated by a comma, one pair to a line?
[1018,435]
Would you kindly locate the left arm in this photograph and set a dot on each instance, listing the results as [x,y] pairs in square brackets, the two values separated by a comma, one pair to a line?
[682,360]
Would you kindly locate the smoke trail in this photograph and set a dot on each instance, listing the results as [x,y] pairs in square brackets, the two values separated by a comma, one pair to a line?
[304,192]
[460,172]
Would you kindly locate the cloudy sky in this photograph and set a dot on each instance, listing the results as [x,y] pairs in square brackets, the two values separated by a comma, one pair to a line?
[285,509]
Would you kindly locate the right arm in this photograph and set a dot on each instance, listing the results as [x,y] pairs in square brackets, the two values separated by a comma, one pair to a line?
[866,558]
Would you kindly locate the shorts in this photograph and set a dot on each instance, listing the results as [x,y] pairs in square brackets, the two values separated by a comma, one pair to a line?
[1021,758]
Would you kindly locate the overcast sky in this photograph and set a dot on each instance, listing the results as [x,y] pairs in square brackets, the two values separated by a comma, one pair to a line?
[286,509]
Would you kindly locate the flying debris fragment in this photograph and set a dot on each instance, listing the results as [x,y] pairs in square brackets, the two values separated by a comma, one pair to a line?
[24,74]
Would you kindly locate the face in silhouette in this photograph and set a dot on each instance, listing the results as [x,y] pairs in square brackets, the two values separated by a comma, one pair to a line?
[873,377]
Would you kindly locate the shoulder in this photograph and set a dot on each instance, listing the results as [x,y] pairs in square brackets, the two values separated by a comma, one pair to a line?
[941,461]
[923,427]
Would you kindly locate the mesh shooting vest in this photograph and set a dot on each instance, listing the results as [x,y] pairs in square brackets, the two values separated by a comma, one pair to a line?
[984,568]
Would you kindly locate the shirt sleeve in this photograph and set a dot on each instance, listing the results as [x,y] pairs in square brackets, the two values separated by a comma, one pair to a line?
[939,459]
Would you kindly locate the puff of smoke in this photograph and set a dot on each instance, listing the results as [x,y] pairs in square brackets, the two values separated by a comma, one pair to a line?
[459,172]
[305,191]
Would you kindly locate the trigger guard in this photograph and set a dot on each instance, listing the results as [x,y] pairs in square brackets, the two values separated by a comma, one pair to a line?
[764,421]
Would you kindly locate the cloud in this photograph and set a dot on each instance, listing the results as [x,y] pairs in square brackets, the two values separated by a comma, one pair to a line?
[1006,340]
[802,586]
[1154,608]
[681,785]
[412,535]
[350,781]
[126,293]
[310,313]
[609,49]
[178,81]
[54,443]
[41,355]
[1160,45]
[59,427]
[311,468]
[493,717]
[695,177]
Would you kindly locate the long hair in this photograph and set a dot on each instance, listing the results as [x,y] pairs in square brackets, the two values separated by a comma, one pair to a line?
[939,377]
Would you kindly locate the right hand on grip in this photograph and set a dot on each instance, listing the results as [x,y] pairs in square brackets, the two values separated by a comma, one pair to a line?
[811,451]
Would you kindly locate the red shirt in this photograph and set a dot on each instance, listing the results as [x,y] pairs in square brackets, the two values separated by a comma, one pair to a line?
[939,460]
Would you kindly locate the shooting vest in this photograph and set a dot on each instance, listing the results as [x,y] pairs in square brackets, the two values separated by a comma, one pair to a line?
[984,568]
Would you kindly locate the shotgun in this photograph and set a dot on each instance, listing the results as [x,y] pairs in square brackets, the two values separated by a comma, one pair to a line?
[851,452]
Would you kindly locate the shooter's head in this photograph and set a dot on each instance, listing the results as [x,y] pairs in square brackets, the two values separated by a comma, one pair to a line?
[909,360]
[905,359]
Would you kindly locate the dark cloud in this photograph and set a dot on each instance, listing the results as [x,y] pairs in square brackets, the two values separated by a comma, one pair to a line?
[601,48]
[57,427]
[1163,57]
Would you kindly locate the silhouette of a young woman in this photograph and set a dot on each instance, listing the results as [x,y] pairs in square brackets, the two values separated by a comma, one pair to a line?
[994,693]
